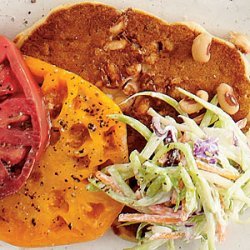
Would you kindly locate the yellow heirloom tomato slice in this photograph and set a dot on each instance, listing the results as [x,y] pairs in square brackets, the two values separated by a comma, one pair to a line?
[54,207]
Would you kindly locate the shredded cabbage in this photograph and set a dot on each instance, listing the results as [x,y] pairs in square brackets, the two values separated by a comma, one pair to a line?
[190,179]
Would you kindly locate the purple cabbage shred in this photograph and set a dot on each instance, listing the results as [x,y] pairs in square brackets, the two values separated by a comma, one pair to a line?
[206,150]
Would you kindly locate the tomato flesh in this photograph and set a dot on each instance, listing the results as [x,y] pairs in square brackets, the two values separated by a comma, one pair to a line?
[12,155]
[24,126]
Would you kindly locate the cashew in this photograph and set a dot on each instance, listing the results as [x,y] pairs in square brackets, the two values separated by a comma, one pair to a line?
[227,99]
[113,72]
[168,45]
[201,48]
[241,41]
[130,88]
[158,46]
[153,46]
[176,80]
[118,28]
[115,45]
[134,69]
[152,58]
[142,105]
[190,106]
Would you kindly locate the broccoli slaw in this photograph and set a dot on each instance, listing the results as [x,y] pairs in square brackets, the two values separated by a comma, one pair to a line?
[191,179]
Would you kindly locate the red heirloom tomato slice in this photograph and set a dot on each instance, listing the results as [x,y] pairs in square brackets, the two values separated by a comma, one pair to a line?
[24,126]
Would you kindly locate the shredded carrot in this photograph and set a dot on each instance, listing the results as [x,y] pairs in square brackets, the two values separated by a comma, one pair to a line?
[107,180]
[214,169]
[181,184]
[163,210]
[184,138]
[174,197]
[167,236]
[167,204]
[167,211]
[148,218]
[199,118]
[183,213]
[220,232]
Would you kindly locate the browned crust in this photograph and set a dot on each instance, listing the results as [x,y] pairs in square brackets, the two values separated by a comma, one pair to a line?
[74,38]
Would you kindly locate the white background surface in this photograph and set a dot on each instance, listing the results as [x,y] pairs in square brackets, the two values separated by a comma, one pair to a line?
[217,16]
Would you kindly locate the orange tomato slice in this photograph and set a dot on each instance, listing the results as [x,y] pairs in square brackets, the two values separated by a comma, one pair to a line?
[54,207]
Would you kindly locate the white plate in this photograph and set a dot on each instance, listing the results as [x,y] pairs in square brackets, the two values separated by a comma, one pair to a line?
[217,16]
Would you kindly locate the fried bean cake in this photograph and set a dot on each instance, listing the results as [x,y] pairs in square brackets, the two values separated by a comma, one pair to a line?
[125,52]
